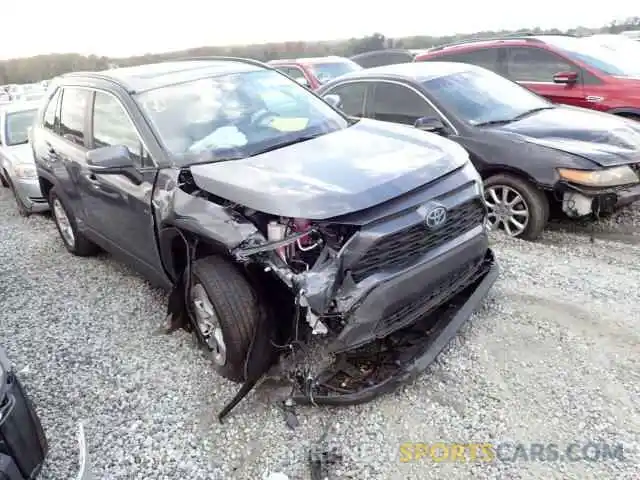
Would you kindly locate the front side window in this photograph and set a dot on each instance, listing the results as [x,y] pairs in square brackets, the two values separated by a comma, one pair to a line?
[112,126]
[352,96]
[72,114]
[236,115]
[479,96]
[399,104]
[529,64]
[326,71]
[17,126]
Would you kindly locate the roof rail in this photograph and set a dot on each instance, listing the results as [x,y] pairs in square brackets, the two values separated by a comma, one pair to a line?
[527,36]
[485,39]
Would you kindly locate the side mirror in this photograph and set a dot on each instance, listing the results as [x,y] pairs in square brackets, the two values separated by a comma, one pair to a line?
[430,124]
[565,78]
[113,160]
[303,81]
[332,99]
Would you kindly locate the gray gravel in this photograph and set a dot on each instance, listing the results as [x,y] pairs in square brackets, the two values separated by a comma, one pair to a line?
[551,357]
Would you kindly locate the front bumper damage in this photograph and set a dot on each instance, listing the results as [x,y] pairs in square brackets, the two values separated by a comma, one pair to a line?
[362,374]
[579,201]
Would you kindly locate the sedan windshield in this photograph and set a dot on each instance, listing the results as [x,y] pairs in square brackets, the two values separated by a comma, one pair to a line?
[610,61]
[237,115]
[480,97]
[17,126]
[326,71]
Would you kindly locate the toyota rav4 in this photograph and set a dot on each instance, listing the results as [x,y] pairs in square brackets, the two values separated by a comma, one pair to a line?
[270,216]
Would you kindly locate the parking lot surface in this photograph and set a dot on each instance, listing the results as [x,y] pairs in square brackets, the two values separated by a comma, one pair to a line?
[552,357]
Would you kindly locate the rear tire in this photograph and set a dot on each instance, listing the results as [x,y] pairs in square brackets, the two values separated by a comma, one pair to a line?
[236,313]
[532,199]
[73,240]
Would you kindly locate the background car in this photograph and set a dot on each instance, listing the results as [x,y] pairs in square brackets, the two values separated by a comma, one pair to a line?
[315,71]
[533,155]
[564,69]
[241,204]
[17,167]
[389,56]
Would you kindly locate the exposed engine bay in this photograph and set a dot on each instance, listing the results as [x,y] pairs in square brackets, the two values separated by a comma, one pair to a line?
[383,322]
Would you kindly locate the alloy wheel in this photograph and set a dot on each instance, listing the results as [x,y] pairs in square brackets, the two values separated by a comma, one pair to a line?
[508,210]
[209,324]
[66,230]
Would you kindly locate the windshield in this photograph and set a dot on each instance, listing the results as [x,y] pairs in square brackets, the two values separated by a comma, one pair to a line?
[610,61]
[236,116]
[326,71]
[480,96]
[17,126]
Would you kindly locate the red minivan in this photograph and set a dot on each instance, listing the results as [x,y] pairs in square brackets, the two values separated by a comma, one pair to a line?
[564,69]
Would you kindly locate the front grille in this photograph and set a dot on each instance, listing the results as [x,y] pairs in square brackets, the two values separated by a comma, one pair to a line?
[401,249]
[432,296]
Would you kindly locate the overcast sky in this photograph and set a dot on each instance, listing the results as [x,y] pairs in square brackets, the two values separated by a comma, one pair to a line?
[132,27]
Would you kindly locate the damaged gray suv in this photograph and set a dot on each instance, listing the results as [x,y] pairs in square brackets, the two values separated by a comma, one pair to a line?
[271,217]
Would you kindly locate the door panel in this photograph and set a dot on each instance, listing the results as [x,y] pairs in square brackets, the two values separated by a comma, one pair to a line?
[534,67]
[118,209]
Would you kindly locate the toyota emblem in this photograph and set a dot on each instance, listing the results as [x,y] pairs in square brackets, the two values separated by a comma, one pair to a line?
[435,217]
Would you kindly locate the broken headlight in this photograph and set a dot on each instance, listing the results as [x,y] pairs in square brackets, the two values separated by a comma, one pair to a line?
[608,177]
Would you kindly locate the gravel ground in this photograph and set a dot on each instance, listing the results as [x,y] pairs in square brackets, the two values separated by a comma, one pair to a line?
[552,356]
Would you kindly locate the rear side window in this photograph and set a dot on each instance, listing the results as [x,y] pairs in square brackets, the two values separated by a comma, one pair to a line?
[73,113]
[352,97]
[50,120]
[112,126]
[485,58]
[528,64]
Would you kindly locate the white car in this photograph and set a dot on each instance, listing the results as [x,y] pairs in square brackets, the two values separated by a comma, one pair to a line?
[17,167]
[617,43]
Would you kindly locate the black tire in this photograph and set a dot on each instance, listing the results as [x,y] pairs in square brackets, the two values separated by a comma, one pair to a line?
[535,199]
[22,208]
[237,307]
[82,246]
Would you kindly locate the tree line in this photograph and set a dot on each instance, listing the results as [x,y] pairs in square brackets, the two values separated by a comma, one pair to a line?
[44,67]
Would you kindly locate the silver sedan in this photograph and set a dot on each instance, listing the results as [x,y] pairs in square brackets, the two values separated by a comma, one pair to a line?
[17,168]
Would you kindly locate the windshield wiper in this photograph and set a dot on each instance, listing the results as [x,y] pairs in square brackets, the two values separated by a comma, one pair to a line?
[504,121]
[278,146]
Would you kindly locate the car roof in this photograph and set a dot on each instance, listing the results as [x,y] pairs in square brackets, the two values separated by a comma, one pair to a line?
[329,58]
[419,71]
[155,75]
[515,39]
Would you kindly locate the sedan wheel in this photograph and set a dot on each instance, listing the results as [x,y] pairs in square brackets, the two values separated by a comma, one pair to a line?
[66,230]
[209,324]
[508,210]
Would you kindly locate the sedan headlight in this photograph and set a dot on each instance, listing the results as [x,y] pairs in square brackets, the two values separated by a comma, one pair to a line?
[608,177]
[25,171]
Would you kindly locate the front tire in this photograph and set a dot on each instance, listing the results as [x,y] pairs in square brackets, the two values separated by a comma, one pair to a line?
[74,241]
[226,312]
[516,206]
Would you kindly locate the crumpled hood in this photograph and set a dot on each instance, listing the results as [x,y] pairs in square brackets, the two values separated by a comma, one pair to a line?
[605,139]
[338,173]
[20,154]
